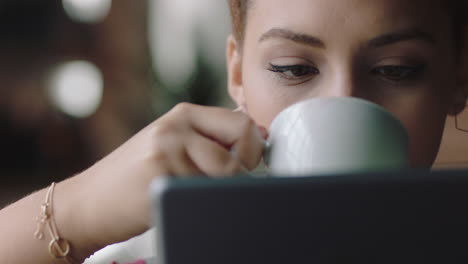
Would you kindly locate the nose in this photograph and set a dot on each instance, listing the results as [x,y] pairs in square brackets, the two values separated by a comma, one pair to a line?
[341,83]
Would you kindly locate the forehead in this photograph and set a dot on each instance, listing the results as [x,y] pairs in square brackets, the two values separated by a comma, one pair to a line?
[331,7]
[366,17]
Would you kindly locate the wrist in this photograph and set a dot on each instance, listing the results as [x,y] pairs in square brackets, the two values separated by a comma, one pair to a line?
[105,212]
[70,218]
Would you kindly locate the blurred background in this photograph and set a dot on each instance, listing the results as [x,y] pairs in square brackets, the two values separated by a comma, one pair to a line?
[79,77]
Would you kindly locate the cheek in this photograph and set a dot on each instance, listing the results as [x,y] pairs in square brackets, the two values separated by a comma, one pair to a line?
[262,104]
[263,101]
[424,120]
[424,113]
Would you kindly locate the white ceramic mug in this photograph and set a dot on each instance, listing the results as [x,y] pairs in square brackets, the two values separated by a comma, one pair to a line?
[329,135]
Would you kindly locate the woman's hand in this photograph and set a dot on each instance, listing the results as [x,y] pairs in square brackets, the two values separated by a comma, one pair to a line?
[189,140]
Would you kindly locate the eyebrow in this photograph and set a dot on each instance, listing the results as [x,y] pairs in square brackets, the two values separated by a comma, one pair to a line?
[293,36]
[380,41]
[399,36]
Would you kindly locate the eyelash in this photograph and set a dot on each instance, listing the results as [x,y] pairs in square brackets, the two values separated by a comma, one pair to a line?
[297,71]
[398,73]
[395,73]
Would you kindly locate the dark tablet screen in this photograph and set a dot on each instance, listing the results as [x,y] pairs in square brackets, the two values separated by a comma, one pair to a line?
[398,217]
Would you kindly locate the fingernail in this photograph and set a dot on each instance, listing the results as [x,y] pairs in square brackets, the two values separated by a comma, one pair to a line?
[234,154]
[238,109]
[263,132]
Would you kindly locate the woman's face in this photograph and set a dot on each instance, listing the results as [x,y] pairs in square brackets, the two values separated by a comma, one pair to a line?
[396,53]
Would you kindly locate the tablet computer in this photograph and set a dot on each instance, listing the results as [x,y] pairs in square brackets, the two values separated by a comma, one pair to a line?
[394,217]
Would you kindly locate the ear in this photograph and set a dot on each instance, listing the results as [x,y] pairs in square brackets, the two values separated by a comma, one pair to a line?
[460,95]
[234,68]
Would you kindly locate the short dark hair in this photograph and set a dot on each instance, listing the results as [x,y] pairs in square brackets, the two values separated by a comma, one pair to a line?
[238,10]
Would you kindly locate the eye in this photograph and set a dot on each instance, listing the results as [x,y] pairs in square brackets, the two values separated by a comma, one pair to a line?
[398,73]
[293,72]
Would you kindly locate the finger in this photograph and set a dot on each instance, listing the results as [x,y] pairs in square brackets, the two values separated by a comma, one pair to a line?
[227,128]
[248,147]
[169,152]
[221,125]
[181,165]
[212,158]
[236,131]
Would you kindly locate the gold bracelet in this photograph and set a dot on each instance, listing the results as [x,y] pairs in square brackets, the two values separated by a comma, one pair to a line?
[59,248]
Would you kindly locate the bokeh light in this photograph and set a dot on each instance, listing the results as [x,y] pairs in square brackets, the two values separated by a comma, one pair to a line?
[87,11]
[76,88]
[181,30]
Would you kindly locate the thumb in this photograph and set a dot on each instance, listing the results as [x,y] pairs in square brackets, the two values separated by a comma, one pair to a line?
[248,149]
